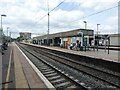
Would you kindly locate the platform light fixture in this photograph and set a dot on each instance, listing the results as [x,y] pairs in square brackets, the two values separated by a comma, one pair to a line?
[97,36]
[7,33]
[85,24]
[1,29]
[3,15]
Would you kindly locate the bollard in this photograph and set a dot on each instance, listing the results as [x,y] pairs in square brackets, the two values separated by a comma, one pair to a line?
[85,48]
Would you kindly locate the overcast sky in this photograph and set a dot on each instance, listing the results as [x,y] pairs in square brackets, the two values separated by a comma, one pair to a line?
[25,15]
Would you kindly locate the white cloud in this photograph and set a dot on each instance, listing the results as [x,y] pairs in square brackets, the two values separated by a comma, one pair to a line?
[25,15]
[96,4]
[111,25]
[66,16]
[61,19]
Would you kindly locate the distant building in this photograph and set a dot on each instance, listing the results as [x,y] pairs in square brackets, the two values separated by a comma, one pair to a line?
[25,35]
[114,39]
[66,38]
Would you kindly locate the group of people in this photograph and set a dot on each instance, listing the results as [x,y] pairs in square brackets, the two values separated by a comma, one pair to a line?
[3,47]
[76,46]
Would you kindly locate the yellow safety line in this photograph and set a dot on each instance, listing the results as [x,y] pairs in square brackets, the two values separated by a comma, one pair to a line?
[8,71]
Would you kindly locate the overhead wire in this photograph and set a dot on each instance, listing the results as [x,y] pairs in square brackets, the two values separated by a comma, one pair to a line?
[57,6]
[72,8]
[41,18]
[91,15]
[36,22]
[51,10]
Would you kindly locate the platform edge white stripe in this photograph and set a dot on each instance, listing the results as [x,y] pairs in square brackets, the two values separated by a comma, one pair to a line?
[44,79]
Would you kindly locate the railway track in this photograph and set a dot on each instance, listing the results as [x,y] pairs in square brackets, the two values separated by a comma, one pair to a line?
[108,76]
[105,78]
[58,78]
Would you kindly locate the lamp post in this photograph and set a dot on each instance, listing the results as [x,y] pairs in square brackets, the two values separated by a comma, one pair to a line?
[82,37]
[10,36]
[97,36]
[7,31]
[85,24]
[7,34]
[3,15]
[48,24]
[1,31]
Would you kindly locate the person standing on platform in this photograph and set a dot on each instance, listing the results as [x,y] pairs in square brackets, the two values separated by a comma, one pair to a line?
[77,45]
[71,46]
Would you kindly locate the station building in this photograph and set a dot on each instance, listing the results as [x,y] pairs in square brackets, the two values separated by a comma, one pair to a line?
[25,35]
[115,40]
[106,39]
[83,36]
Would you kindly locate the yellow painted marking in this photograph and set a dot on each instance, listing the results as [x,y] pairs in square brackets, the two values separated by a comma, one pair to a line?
[8,71]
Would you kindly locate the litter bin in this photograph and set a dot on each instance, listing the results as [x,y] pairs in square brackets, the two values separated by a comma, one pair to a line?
[81,48]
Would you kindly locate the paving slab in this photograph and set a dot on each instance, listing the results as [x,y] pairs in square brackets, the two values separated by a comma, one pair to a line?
[25,75]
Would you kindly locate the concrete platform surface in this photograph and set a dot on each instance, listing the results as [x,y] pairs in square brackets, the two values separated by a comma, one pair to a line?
[100,54]
[25,76]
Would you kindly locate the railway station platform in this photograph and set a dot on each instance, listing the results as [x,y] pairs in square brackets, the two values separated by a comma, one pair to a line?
[17,71]
[100,54]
